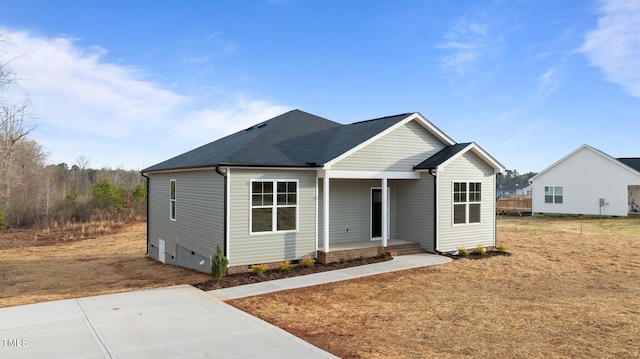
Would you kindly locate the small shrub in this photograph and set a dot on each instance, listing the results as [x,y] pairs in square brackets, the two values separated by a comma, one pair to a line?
[463,252]
[382,252]
[501,248]
[307,261]
[362,257]
[259,269]
[343,260]
[219,264]
[480,250]
[285,266]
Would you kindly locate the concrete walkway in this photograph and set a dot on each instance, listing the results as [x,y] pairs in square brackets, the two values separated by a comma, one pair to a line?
[179,321]
[398,263]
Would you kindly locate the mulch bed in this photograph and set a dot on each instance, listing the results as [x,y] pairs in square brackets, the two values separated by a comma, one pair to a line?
[475,256]
[237,279]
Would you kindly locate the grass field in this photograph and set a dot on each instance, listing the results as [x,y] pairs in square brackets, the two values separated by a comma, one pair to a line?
[570,288]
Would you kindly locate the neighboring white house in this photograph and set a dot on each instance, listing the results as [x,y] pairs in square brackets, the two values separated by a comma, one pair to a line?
[588,182]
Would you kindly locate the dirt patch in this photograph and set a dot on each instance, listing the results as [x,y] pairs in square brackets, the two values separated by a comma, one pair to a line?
[570,288]
[22,238]
[38,271]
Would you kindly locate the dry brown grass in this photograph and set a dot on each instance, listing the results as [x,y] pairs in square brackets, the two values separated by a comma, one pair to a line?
[70,269]
[571,288]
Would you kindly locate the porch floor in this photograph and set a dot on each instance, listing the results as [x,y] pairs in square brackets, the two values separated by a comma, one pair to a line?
[345,251]
[366,244]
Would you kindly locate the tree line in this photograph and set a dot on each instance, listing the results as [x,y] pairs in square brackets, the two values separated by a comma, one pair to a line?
[35,194]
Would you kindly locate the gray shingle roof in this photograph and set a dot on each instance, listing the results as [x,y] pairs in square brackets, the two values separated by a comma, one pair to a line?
[441,156]
[293,139]
[631,162]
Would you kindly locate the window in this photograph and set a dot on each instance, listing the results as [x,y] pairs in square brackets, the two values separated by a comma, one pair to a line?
[467,197]
[274,206]
[553,194]
[172,201]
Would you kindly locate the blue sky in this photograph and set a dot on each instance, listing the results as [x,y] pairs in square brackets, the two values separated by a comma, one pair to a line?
[131,83]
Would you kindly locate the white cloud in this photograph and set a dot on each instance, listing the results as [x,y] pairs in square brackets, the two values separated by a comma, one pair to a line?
[467,41]
[110,113]
[614,46]
[226,119]
[548,82]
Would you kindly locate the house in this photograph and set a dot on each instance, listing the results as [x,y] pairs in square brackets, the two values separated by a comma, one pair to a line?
[299,185]
[588,182]
[514,189]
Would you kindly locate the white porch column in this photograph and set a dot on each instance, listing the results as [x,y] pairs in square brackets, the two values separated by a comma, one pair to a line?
[325,213]
[385,210]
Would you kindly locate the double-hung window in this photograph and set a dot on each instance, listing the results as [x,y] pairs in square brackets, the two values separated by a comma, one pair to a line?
[274,206]
[467,198]
[172,200]
[553,194]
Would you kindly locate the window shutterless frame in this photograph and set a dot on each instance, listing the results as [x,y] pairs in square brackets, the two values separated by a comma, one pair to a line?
[172,200]
[466,203]
[273,206]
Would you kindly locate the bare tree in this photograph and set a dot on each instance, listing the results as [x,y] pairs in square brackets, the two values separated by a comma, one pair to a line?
[15,124]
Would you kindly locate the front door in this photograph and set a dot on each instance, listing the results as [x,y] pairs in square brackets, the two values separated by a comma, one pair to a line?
[376,213]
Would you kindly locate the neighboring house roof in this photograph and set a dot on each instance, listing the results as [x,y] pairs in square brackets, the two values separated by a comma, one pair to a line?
[629,164]
[293,139]
[441,158]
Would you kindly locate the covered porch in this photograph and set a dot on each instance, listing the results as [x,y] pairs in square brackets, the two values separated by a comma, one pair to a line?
[633,195]
[357,215]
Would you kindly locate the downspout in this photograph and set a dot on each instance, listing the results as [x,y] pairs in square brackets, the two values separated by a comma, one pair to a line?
[435,210]
[224,217]
[148,180]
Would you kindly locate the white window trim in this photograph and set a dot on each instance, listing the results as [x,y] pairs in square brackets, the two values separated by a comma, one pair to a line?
[274,206]
[173,202]
[553,195]
[466,204]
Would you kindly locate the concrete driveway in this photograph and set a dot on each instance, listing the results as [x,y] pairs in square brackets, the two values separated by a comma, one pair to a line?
[179,321]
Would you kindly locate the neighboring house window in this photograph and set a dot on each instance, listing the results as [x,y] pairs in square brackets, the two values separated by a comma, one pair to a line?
[553,194]
[467,198]
[274,206]
[172,201]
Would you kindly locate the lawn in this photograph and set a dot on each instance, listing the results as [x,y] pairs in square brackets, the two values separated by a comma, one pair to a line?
[571,288]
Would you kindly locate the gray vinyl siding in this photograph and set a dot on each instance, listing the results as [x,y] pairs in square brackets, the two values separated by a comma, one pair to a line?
[350,207]
[467,168]
[246,248]
[416,210]
[399,150]
[199,214]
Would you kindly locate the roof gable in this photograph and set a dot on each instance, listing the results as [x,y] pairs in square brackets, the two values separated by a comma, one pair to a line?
[381,127]
[449,154]
[618,162]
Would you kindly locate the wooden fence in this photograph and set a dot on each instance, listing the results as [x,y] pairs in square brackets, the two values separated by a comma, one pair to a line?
[516,205]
